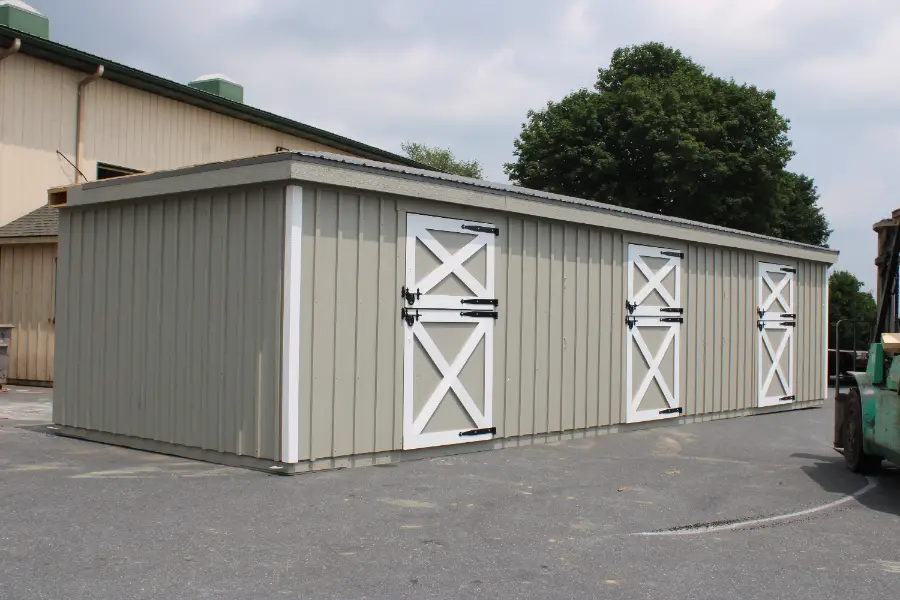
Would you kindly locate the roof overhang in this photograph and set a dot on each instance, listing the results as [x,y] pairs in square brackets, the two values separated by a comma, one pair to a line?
[382,178]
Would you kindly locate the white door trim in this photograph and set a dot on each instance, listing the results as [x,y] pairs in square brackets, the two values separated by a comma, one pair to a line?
[417,228]
[636,254]
[414,424]
[769,291]
[635,396]
[639,316]
[775,370]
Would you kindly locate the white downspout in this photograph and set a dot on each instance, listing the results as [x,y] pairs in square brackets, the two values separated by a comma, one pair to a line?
[80,117]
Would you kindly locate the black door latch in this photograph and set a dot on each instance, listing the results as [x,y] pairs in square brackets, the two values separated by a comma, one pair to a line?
[409,316]
[630,321]
[491,430]
[630,306]
[409,296]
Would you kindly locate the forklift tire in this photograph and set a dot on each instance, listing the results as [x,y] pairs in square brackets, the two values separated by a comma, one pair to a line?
[857,460]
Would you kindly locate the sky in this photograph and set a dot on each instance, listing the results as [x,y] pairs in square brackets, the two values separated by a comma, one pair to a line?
[463,74]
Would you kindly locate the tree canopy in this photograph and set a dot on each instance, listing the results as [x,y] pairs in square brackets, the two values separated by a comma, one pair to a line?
[847,301]
[442,159]
[657,133]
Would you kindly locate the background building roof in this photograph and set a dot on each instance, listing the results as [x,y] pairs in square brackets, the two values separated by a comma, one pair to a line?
[87,63]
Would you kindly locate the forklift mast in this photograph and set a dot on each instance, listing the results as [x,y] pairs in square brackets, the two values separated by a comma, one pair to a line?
[887,263]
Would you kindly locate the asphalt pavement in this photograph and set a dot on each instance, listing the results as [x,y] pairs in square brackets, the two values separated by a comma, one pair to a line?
[751,508]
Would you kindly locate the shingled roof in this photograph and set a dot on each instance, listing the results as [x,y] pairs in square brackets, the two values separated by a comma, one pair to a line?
[38,223]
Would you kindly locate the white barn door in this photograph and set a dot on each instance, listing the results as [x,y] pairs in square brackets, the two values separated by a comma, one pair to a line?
[448,316]
[776,321]
[653,319]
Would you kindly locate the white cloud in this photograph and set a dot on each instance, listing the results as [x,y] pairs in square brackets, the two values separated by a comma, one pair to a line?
[463,74]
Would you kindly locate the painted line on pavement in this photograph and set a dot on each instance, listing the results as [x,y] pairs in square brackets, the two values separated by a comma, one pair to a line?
[713,528]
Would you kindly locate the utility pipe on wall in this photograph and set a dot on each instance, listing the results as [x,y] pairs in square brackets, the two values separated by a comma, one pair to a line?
[17,43]
[80,117]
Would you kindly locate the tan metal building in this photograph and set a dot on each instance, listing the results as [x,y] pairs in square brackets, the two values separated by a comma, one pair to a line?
[27,293]
[302,311]
[67,116]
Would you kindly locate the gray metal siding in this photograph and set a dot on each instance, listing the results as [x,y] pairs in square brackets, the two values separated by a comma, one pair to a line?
[169,320]
[559,343]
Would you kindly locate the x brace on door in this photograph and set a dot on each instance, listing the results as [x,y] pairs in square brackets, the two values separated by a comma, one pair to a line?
[775,369]
[451,264]
[653,374]
[654,282]
[776,289]
[415,424]
[418,291]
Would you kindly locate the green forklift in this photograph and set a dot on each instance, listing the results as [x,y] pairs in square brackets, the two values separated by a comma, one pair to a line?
[867,417]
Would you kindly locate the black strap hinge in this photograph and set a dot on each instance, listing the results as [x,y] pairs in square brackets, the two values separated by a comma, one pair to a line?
[409,316]
[788,323]
[788,270]
[673,254]
[672,319]
[482,229]
[409,296]
[680,311]
[786,398]
[483,431]
[788,316]
[672,411]
[491,314]
[490,301]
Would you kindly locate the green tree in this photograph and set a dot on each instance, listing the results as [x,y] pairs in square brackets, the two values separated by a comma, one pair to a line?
[848,302]
[659,134]
[442,159]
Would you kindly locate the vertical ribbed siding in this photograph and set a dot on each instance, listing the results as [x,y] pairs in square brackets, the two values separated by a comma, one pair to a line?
[719,351]
[27,302]
[170,320]
[559,359]
[349,380]
[809,360]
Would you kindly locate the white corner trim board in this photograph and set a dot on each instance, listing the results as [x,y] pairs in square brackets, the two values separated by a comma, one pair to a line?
[825,341]
[290,349]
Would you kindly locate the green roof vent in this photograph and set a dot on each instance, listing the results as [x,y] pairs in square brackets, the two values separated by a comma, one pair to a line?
[219,85]
[15,14]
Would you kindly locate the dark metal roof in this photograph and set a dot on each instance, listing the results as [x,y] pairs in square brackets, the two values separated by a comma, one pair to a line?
[87,63]
[38,223]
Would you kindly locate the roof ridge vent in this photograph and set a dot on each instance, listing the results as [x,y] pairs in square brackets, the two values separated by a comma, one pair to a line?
[219,85]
